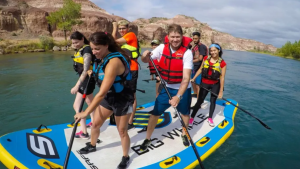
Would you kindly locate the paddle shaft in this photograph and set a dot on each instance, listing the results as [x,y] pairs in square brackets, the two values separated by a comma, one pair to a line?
[75,126]
[148,80]
[182,123]
[143,91]
[262,123]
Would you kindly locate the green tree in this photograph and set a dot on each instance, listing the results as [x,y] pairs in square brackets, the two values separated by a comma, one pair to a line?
[66,17]
[290,50]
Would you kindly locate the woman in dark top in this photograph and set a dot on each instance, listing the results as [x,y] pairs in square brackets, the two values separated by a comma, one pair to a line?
[82,62]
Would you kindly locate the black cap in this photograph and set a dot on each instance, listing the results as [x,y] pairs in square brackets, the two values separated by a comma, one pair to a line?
[196,33]
[155,41]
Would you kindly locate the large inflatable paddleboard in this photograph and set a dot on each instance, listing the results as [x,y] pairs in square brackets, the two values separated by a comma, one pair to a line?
[48,147]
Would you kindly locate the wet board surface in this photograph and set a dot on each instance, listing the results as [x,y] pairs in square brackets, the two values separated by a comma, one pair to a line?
[31,149]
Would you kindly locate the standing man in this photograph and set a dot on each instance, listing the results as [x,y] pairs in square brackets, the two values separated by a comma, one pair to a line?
[129,42]
[175,66]
[199,52]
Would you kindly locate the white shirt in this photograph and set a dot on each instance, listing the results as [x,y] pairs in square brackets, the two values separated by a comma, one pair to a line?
[187,62]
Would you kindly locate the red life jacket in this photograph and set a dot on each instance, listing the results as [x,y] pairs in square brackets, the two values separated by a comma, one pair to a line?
[171,65]
[151,67]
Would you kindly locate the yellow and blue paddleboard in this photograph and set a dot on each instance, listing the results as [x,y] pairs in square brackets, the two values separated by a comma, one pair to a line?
[35,149]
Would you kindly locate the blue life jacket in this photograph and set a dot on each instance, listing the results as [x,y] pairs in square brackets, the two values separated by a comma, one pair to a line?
[120,80]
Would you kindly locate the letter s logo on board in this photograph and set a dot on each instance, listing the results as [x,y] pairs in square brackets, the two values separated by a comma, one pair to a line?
[41,146]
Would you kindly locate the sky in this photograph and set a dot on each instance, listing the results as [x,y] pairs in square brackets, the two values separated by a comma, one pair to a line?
[269,21]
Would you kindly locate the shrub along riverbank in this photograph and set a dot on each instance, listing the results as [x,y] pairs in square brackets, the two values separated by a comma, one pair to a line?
[44,43]
[288,50]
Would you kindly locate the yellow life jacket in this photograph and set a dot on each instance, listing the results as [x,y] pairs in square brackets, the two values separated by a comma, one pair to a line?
[133,50]
[133,54]
[215,68]
[79,61]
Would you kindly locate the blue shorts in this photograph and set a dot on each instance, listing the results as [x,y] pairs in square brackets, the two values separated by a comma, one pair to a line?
[198,79]
[162,102]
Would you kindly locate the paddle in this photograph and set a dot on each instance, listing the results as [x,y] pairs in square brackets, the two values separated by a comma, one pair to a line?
[148,80]
[262,123]
[143,91]
[182,123]
[75,126]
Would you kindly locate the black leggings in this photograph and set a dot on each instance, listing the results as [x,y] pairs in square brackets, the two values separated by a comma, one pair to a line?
[202,94]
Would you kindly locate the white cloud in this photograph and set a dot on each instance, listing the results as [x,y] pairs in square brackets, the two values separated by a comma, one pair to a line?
[269,21]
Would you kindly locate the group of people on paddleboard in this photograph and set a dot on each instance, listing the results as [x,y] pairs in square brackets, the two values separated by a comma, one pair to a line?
[112,64]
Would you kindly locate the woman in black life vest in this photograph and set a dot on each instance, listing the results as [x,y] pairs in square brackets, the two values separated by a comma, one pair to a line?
[213,69]
[82,62]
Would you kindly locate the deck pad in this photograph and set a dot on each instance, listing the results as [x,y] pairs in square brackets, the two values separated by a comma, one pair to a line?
[31,149]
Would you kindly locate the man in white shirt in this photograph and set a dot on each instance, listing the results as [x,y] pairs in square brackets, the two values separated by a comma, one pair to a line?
[175,66]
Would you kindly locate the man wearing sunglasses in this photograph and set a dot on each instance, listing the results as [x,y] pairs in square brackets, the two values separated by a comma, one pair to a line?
[129,42]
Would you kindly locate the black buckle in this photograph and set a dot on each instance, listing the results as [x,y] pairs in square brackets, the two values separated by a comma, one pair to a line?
[171,162]
[46,163]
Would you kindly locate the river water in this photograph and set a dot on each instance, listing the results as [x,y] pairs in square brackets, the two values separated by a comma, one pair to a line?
[35,89]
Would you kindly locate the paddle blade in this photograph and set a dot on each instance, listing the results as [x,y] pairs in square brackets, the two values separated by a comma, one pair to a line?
[146,81]
[262,123]
[143,91]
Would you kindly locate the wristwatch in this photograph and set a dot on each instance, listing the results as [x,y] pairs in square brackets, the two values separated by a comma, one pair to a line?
[179,96]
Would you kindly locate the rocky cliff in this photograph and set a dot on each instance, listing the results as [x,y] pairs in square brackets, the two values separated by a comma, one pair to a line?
[20,19]
[24,19]
[155,28]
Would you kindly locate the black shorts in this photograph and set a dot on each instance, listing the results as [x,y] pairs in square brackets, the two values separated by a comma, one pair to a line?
[133,82]
[119,104]
[90,87]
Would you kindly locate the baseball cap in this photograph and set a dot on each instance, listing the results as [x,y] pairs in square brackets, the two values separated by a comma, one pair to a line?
[155,41]
[123,23]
